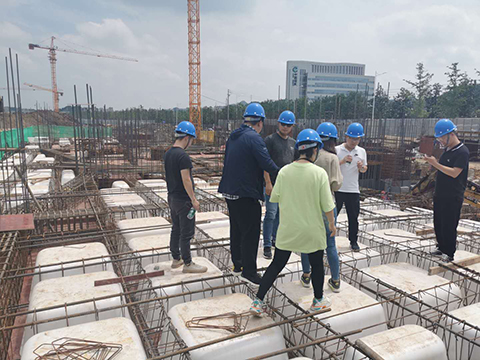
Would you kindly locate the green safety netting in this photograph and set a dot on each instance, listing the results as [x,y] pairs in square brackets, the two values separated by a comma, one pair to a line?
[11,138]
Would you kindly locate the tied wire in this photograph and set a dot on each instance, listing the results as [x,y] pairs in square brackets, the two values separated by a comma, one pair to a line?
[240,322]
[79,349]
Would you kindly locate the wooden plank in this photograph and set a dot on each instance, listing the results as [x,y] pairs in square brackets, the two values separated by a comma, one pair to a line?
[129,278]
[16,222]
[453,265]
[424,231]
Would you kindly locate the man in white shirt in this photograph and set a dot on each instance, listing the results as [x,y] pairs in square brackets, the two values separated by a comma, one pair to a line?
[353,160]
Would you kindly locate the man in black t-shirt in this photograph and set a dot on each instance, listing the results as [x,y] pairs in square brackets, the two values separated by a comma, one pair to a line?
[181,198]
[281,148]
[449,188]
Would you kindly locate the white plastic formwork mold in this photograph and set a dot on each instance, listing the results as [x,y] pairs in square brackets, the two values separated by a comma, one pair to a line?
[62,291]
[351,309]
[119,331]
[113,198]
[120,184]
[352,259]
[70,260]
[163,194]
[410,342]
[433,290]
[146,245]
[200,182]
[458,348]
[186,282]
[132,228]
[160,183]
[67,175]
[216,229]
[398,239]
[244,347]
[210,216]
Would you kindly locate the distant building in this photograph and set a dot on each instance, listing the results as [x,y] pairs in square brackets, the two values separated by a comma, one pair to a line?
[319,79]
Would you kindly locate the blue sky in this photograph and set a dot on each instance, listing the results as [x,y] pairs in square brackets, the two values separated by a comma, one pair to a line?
[244,44]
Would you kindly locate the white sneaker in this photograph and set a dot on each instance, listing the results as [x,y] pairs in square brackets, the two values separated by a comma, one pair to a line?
[321,304]
[177,263]
[194,268]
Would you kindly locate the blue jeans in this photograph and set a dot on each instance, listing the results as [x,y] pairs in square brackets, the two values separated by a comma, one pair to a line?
[270,222]
[332,253]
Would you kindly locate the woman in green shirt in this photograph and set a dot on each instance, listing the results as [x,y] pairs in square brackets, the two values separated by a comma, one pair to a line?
[302,191]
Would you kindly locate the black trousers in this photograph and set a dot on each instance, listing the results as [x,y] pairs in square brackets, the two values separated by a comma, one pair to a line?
[352,204]
[280,259]
[245,224]
[183,229]
[446,215]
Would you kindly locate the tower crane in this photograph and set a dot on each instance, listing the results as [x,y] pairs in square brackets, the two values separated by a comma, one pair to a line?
[52,56]
[194,87]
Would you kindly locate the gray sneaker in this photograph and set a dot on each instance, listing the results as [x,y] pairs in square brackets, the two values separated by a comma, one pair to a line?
[194,268]
[334,285]
[177,263]
[446,259]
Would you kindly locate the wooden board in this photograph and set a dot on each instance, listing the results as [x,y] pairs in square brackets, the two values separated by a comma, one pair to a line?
[16,222]
[453,265]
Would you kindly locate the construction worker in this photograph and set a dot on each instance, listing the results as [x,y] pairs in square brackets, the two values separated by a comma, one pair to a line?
[449,188]
[353,161]
[246,159]
[328,161]
[181,198]
[303,193]
[281,148]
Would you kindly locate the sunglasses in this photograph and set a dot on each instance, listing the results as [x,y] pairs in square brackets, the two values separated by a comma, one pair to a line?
[287,125]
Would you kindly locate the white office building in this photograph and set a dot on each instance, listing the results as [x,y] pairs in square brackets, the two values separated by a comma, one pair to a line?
[318,79]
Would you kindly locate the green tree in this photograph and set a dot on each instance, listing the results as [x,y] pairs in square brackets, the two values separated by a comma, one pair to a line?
[422,88]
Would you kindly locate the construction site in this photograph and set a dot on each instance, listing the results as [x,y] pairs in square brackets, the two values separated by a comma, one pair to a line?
[85,263]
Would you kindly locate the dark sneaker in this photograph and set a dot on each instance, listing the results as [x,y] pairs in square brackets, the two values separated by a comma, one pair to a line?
[236,271]
[267,253]
[446,259]
[436,252]
[305,280]
[334,285]
[354,246]
[251,279]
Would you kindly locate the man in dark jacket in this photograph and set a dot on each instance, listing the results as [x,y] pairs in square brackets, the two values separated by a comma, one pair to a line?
[246,158]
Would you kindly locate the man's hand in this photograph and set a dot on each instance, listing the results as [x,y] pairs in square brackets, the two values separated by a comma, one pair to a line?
[346,159]
[359,164]
[268,189]
[196,204]
[333,229]
[431,160]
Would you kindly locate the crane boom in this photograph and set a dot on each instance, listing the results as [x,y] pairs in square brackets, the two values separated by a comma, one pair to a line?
[52,56]
[73,51]
[42,88]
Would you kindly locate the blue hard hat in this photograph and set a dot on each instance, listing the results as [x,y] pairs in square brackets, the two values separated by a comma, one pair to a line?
[255,111]
[287,117]
[327,129]
[443,127]
[355,130]
[308,138]
[186,127]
